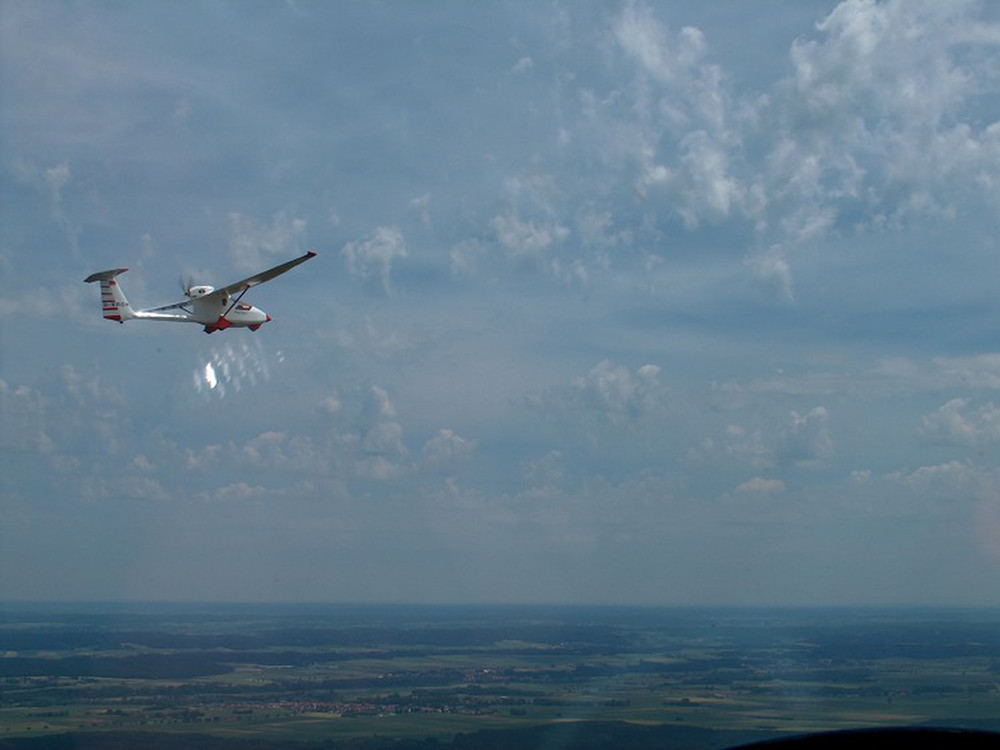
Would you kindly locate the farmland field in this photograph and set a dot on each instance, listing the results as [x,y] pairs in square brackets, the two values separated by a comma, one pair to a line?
[281,676]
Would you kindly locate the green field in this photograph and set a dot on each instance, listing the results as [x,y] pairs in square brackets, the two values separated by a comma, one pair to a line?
[412,674]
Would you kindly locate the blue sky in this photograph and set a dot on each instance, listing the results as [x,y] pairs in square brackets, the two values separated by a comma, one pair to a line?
[655,303]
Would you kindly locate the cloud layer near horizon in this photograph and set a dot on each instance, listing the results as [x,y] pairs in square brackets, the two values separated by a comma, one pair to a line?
[614,303]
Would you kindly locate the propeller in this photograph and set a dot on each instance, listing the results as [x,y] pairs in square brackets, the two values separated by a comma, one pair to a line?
[186,281]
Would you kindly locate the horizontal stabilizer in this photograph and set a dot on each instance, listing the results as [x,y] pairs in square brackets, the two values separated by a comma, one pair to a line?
[104,275]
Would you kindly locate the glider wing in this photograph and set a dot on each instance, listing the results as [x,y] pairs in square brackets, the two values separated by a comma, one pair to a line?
[260,278]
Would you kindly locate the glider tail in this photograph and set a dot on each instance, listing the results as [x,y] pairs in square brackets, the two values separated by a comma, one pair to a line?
[114,304]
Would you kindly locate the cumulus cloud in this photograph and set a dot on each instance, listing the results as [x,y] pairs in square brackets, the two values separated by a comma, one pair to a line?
[69,301]
[748,447]
[24,417]
[712,192]
[51,182]
[981,371]
[880,119]
[331,404]
[527,242]
[73,435]
[370,260]
[269,451]
[252,245]
[613,413]
[547,471]
[447,448]
[644,38]
[946,478]
[422,204]
[955,422]
[774,271]
[464,257]
[881,123]
[614,394]
[381,435]
[807,440]
[686,133]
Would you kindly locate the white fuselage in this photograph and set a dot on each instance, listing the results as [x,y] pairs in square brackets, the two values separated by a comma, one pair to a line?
[210,310]
[213,312]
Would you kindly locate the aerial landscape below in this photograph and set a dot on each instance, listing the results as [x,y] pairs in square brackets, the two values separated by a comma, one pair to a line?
[301,676]
[591,375]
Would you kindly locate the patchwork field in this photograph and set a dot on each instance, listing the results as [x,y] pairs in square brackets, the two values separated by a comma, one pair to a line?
[346,674]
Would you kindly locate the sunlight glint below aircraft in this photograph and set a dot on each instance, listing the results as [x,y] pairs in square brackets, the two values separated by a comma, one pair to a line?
[216,309]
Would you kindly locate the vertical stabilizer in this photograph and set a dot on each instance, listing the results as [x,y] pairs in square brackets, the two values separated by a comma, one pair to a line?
[114,304]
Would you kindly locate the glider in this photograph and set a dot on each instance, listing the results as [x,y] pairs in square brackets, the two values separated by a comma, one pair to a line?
[216,309]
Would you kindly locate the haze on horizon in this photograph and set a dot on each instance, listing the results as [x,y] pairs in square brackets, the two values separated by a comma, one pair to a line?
[615,302]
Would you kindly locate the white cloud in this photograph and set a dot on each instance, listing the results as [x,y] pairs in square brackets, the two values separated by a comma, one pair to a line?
[464,257]
[748,447]
[384,438]
[381,436]
[371,260]
[421,204]
[240,492]
[377,467]
[981,371]
[331,404]
[774,271]
[861,476]
[49,180]
[447,448]
[614,394]
[808,440]
[941,479]
[712,192]
[52,181]
[24,419]
[66,302]
[686,131]
[977,372]
[643,37]
[270,451]
[761,486]
[880,117]
[547,471]
[524,65]
[953,421]
[527,242]
[252,246]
